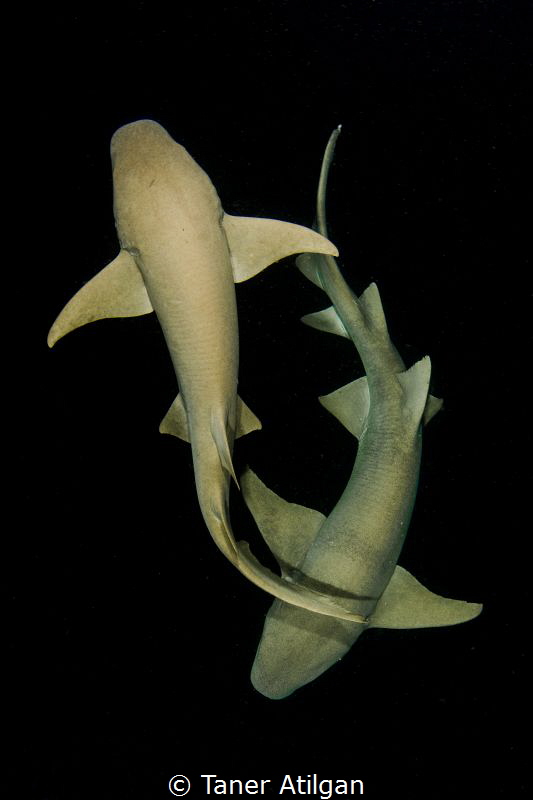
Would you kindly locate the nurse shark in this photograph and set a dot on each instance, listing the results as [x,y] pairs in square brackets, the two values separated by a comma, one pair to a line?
[180,256]
[352,554]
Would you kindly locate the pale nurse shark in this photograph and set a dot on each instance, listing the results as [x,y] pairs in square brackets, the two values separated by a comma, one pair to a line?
[352,554]
[180,256]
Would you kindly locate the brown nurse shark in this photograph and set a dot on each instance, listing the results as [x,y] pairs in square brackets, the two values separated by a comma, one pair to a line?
[180,256]
[352,554]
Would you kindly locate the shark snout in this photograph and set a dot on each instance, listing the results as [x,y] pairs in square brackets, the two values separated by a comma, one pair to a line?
[137,137]
[270,683]
[296,647]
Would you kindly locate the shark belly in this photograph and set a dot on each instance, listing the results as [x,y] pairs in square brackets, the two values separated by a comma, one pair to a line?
[357,548]
[180,256]
[352,558]
[168,218]
[193,296]
[194,299]
[183,257]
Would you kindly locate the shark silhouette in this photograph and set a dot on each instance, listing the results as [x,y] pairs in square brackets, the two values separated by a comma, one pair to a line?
[352,554]
[180,256]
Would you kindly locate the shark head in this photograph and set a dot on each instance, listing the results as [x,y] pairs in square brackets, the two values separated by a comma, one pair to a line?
[138,134]
[296,647]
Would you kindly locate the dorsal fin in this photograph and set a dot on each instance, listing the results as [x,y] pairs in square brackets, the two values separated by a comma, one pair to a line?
[372,308]
[415,384]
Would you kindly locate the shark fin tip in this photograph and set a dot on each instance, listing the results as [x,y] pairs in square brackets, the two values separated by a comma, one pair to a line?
[52,337]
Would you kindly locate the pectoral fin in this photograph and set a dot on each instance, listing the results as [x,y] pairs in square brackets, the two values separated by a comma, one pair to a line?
[405,603]
[287,528]
[117,291]
[255,243]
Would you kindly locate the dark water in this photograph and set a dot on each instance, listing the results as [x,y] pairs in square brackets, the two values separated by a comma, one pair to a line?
[129,638]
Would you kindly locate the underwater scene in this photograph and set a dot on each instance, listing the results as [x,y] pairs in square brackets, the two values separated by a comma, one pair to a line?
[269,403]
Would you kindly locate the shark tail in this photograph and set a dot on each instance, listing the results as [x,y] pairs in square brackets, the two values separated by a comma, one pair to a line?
[357,318]
[312,264]
[361,319]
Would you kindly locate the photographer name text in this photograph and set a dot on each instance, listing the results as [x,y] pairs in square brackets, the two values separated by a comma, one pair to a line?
[311,785]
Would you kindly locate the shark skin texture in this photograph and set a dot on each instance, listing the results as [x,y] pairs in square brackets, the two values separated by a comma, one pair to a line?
[352,554]
[180,256]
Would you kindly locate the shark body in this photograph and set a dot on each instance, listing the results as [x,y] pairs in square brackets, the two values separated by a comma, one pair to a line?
[352,554]
[180,256]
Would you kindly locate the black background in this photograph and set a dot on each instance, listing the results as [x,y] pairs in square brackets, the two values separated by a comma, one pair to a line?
[129,636]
